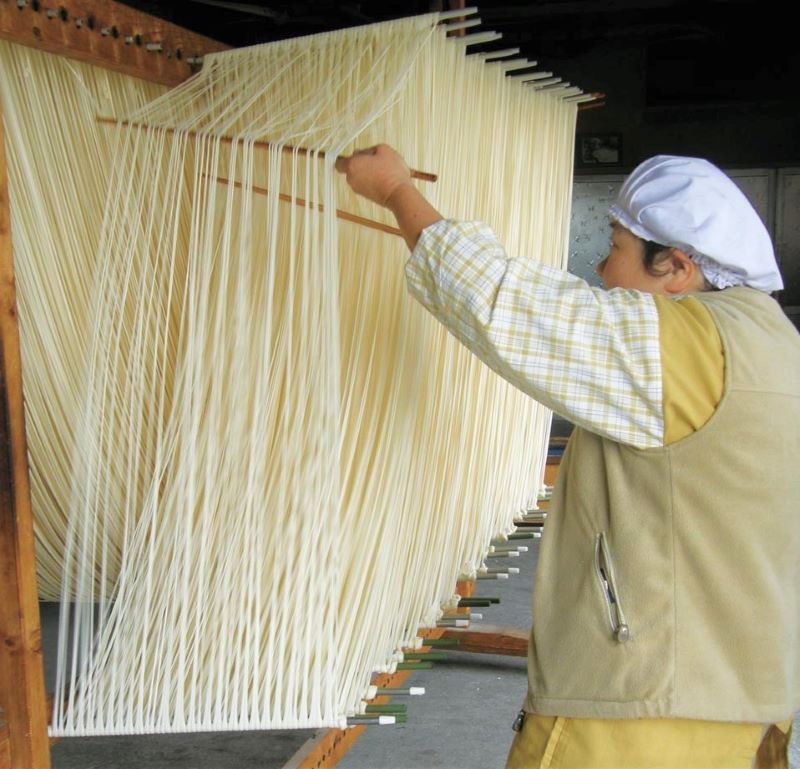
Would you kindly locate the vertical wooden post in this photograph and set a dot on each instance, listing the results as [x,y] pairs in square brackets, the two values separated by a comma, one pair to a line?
[22,694]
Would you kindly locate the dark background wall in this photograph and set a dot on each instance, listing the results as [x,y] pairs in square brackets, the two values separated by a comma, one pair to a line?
[663,101]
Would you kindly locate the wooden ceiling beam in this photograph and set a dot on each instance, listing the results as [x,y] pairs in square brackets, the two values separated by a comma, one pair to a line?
[107,34]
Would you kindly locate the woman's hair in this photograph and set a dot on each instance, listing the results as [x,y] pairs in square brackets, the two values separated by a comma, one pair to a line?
[652,252]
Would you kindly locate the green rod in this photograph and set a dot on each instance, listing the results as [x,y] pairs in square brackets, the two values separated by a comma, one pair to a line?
[431,656]
[441,642]
[389,709]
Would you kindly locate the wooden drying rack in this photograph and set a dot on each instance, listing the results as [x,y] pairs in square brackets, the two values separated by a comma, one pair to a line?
[114,36]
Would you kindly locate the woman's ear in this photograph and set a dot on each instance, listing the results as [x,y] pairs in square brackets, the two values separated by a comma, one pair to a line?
[683,276]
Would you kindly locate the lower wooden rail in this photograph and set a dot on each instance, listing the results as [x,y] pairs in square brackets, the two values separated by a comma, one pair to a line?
[491,639]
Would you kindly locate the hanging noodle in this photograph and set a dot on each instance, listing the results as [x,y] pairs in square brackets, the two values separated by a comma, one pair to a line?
[58,160]
[281,463]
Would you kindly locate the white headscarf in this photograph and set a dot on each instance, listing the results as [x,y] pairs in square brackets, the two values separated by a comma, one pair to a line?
[688,203]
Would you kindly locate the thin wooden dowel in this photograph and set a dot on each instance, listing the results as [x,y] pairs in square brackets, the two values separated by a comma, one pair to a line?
[599,102]
[318,206]
[591,105]
[424,176]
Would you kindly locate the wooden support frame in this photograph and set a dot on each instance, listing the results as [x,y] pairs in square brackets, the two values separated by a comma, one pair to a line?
[22,692]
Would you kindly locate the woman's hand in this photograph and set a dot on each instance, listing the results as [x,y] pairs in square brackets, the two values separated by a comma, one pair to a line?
[376,172]
[382,176]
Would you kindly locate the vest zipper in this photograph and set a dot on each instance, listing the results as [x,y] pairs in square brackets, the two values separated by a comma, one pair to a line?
[605,574]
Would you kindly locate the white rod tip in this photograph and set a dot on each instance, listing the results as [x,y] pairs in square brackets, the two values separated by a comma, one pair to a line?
[459,25]
[458,13]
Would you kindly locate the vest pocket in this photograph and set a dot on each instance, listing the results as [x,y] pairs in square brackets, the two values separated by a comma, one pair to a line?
[604,568]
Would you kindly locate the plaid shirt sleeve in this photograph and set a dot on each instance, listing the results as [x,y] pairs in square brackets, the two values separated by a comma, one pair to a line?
[590,355]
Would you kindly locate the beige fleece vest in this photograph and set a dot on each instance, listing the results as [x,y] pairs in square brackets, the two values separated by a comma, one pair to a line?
[668,582]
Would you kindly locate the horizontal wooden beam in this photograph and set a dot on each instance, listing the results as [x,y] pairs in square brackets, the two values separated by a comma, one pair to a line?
[107,34]
[325,749]
[491,639]
[465,588]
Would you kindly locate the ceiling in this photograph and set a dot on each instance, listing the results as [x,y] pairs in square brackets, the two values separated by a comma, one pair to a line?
[697,51]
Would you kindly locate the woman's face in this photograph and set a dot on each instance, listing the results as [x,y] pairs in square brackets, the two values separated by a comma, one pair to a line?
[624,266]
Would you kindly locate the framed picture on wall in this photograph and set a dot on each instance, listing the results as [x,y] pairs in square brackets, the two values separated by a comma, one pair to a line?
[595,150]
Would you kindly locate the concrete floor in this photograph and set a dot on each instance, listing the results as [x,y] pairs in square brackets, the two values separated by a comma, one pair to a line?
[462,722]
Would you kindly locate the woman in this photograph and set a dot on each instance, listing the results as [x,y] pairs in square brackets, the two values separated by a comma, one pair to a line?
[666,612]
